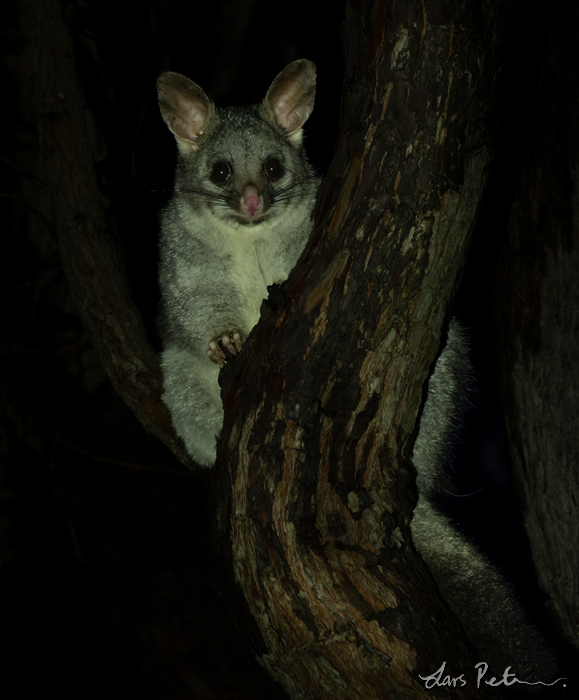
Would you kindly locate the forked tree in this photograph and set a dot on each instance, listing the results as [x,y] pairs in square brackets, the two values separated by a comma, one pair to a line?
[313,491]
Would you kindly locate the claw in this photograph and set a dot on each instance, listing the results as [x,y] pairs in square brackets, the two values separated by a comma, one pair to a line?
[238,340]
[215,353]
[225,347]
[228,344]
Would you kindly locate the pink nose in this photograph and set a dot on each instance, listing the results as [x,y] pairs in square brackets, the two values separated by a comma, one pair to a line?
[252,204]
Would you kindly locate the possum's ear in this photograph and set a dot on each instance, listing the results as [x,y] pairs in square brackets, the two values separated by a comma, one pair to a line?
[290,98]
[185,109]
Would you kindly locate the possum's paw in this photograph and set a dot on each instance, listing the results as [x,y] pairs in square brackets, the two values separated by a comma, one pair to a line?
[225,347]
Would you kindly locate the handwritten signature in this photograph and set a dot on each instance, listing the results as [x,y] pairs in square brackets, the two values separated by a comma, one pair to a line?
[439,679]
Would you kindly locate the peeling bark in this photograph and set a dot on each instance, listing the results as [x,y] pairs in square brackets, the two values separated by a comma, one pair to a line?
[313,494]
[313,491]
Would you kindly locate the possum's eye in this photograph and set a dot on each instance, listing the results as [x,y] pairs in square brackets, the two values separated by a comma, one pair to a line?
[273,168]
[220,173]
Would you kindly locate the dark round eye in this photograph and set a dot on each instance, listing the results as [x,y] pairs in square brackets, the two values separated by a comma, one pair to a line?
[273,168]
[220,173]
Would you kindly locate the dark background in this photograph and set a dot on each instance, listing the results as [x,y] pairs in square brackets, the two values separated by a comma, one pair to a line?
[106,585]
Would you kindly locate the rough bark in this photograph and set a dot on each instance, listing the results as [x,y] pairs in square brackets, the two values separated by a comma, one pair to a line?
[538,298]
[313,496]
[86,241]
[313,493]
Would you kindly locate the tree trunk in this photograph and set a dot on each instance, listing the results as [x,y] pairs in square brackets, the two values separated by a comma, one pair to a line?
[313,495]
[538,298]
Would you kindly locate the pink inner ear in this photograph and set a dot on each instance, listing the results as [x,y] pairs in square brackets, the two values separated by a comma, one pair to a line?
[185,108]
[188,118]
[286,113]
[290,98]
[291,108]
[296,118]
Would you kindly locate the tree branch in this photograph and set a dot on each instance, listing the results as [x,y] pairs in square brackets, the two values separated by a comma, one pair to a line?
[313,492]
[313,495]
[86,242]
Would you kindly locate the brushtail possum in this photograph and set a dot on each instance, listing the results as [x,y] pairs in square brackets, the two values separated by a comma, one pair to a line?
[238,221]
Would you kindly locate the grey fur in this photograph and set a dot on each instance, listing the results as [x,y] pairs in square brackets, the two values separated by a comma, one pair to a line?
[473,588]
[492,619]
[216,265]
[447,390]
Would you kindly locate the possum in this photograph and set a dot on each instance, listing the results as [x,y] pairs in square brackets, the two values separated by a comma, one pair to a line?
[239,219]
